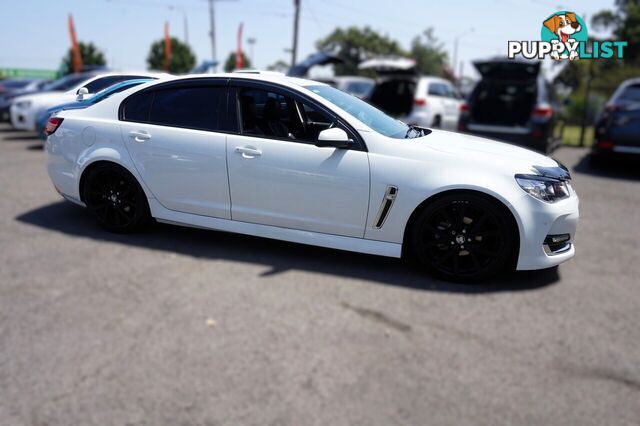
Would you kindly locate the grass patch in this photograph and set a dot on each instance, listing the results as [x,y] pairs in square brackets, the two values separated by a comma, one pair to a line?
[571,136]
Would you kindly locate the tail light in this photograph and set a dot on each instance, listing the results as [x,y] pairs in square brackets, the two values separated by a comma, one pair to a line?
[604,144]
[52,125]
[420,101]
[464,107]
[610,108]
[543,112]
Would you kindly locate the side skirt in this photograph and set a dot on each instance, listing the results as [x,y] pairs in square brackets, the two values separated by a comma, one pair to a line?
[359,245]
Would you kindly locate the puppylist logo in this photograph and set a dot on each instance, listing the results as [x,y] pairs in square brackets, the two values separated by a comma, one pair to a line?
[564,36]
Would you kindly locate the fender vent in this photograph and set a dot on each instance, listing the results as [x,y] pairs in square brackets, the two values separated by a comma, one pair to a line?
[385,207]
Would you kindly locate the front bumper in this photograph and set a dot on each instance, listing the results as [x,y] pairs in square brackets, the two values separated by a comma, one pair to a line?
[22,118]
[541,220]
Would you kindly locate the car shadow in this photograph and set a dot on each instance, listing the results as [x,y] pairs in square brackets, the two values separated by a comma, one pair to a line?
[279,256]
[618,167]
[29,137]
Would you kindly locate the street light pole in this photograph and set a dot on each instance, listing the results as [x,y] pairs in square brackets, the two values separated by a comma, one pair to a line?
[454,64]
[251,41]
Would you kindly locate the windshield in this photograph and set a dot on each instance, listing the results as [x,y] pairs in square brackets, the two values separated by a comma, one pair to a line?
[372,117]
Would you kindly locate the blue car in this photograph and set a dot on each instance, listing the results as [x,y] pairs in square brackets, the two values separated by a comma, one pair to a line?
[43,116]
[617,130]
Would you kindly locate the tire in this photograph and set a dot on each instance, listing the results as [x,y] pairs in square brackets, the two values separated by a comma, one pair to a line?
[437,122]
[116,199]
[463,237]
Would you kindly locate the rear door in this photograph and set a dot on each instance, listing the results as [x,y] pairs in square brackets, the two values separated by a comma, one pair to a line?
[176,136]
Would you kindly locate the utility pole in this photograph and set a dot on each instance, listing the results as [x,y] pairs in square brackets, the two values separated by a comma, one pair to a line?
[454,64]
[212,33]
[296,18]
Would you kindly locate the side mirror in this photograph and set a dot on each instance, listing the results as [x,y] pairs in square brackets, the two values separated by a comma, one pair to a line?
[82,92]
[333,138]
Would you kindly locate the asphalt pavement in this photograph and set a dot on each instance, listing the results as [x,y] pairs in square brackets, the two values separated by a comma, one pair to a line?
[179,326]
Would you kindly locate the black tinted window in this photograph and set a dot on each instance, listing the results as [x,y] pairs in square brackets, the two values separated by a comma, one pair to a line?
[102,83]
[270,114]
[136,107]
[193,107]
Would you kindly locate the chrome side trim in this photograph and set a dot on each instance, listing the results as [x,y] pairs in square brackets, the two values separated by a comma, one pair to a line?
[385,207]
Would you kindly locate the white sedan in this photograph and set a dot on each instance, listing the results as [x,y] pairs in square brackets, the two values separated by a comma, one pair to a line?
[296,160]
[24,109]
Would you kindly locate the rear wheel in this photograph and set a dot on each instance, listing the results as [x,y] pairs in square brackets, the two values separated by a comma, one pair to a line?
[437,122]
[463,237]
[115,198]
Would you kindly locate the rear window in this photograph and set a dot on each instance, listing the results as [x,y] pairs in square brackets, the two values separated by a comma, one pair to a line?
[630,93]
[438,89]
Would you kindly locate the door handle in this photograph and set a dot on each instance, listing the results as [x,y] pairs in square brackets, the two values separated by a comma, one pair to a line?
[248,151]
[140,136]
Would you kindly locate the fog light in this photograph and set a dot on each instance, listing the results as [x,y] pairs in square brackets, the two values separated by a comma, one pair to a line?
[556,243]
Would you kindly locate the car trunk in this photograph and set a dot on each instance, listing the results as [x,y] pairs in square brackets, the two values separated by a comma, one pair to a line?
[507,93]
[395,89]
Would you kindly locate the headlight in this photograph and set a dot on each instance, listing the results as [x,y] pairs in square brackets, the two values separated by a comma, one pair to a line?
[544,188]
[23,104]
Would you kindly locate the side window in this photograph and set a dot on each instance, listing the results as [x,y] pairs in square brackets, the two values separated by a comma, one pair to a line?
[270,114]
[202,108]
[137,107]
[437,89]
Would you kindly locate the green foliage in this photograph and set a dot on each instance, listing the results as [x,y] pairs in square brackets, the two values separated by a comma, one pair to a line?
[279,65]
[181,61]
[90,54]
[353,45]
[430,55]
[230,63]
[624,22]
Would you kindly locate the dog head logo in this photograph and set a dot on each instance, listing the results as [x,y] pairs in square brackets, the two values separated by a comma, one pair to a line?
[566,28]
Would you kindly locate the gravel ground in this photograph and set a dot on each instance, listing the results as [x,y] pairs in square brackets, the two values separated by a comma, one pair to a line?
[180,326]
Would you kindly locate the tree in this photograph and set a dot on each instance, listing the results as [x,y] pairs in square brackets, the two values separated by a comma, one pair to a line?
[429,53]
[230,63]
[279,66]
[90,54]
[624,22]
[181,61]
[353,45]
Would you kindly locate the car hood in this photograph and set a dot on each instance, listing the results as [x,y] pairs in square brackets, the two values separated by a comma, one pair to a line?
[47,98]
[474,149]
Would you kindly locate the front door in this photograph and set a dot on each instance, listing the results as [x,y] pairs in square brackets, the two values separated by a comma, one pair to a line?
[279,177]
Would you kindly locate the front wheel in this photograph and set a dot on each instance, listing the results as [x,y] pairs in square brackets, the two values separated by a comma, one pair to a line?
[115,198]
[463,237]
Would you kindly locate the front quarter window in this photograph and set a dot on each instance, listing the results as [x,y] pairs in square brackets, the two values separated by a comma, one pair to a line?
[369,115]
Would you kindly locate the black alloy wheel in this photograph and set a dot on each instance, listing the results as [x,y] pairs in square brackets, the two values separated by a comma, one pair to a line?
[463,237]
[115,198]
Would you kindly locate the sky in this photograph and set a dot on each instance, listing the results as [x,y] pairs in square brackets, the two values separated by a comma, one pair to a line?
[34,33]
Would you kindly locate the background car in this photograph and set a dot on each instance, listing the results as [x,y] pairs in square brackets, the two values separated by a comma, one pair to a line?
[352,84]
[24,109]
[43,116]
[421,100]
[617,130]
[512,102]
[10,89]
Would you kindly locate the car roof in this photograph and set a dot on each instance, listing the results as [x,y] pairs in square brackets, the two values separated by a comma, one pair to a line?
[266,76]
